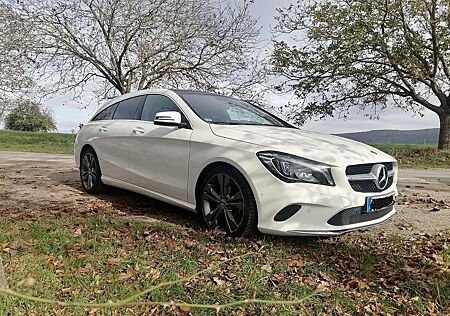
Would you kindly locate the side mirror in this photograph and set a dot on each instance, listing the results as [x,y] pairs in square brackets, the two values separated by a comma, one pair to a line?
[170,118]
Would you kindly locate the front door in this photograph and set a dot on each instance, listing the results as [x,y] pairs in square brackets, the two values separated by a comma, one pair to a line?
[159,155]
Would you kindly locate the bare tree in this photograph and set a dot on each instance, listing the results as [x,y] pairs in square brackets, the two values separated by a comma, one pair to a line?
[15,65]
[120,46]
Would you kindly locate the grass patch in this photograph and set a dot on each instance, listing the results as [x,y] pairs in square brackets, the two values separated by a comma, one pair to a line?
[417,156]
[36,142]
[409,156]
[99,259]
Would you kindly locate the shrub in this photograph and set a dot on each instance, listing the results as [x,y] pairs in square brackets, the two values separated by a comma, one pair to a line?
[27,115]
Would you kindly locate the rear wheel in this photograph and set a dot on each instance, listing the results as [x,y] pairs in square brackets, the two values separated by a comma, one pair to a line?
[90,173]
[226,202]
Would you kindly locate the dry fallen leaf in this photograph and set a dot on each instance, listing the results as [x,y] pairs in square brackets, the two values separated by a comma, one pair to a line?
[266,268]
[159,245]
[77,232]
[363,285]
[185,308]
[123,276]
[171,244]
[326,276]
[16,245]
[114,261]
[218,281]
[154,273]
[27,282]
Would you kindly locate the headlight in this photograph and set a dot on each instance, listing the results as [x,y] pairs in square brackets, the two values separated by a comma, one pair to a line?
[290,168]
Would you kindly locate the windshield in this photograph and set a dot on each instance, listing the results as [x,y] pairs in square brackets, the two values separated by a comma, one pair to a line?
[218,109]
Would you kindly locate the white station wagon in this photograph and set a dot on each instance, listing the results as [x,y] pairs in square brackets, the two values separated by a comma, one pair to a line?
[241,168]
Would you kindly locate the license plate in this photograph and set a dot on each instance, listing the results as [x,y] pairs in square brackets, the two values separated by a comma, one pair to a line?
[369,205]
[375,204]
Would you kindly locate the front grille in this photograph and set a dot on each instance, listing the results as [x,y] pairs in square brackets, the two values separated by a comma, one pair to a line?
[366,168]
[368,185]
[357,215]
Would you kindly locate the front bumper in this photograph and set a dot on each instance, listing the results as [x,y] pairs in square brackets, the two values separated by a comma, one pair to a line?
[331,231]
[318,203]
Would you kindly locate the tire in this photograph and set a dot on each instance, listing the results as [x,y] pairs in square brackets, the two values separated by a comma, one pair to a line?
[218,197]
[90,172]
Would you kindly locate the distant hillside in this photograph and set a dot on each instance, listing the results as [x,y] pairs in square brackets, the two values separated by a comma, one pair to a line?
[421,136]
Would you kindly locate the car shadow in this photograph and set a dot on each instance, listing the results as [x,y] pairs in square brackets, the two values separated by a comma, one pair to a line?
[130,203]
[137,205]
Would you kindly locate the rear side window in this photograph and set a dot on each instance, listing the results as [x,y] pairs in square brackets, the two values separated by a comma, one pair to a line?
[106,114]
[158,103]
[126,110]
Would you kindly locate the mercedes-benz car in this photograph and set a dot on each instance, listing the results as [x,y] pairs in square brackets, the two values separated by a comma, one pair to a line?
[241,168]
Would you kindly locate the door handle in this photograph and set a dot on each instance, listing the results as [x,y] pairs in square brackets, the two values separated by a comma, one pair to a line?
[103,129]
[138,130]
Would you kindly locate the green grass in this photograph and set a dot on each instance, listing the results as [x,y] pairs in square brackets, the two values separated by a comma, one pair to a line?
[36,142]
[417,156]
[409,156]
[99,259]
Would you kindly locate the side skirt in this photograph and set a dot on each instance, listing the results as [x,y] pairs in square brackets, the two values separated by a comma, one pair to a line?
[155,195]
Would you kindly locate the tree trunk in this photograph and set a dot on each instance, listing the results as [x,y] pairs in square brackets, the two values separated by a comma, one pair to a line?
[444,132]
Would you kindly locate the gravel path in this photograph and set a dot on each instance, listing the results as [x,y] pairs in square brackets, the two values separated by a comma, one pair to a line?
[46,185]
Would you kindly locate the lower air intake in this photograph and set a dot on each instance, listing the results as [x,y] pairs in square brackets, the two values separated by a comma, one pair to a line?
[357,215]
[287,213]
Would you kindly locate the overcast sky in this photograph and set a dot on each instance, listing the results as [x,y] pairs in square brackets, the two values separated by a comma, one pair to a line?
[69,114]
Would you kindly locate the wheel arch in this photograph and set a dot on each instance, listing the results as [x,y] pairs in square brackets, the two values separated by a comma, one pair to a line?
[215,164]
[83,149]
[86,147]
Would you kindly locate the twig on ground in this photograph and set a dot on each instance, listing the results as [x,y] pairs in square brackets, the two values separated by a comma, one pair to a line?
[130,301]
[3,282]
[150,303]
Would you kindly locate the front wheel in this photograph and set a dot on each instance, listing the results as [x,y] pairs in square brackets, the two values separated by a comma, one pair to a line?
[90,173]
[227,204]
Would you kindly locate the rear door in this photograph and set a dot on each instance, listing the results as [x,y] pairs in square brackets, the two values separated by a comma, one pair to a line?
[112,143]
[159,155]
[98,128]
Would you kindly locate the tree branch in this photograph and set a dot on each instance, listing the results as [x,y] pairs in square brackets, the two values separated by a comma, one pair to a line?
[400,72]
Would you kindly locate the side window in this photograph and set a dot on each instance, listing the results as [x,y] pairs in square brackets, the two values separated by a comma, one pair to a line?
[240,114]
[106,114]
[126,110]
[158,103]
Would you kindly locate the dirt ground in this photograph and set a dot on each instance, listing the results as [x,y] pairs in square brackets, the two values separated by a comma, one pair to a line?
[34,186]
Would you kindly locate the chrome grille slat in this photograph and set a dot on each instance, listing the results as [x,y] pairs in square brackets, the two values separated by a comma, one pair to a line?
[365,168]
[362,180]
[366,176]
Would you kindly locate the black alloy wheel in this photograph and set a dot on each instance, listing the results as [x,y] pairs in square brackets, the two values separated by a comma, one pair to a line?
[227,203]
[90,172]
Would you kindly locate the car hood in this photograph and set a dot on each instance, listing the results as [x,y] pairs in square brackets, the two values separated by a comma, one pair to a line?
[328,149]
